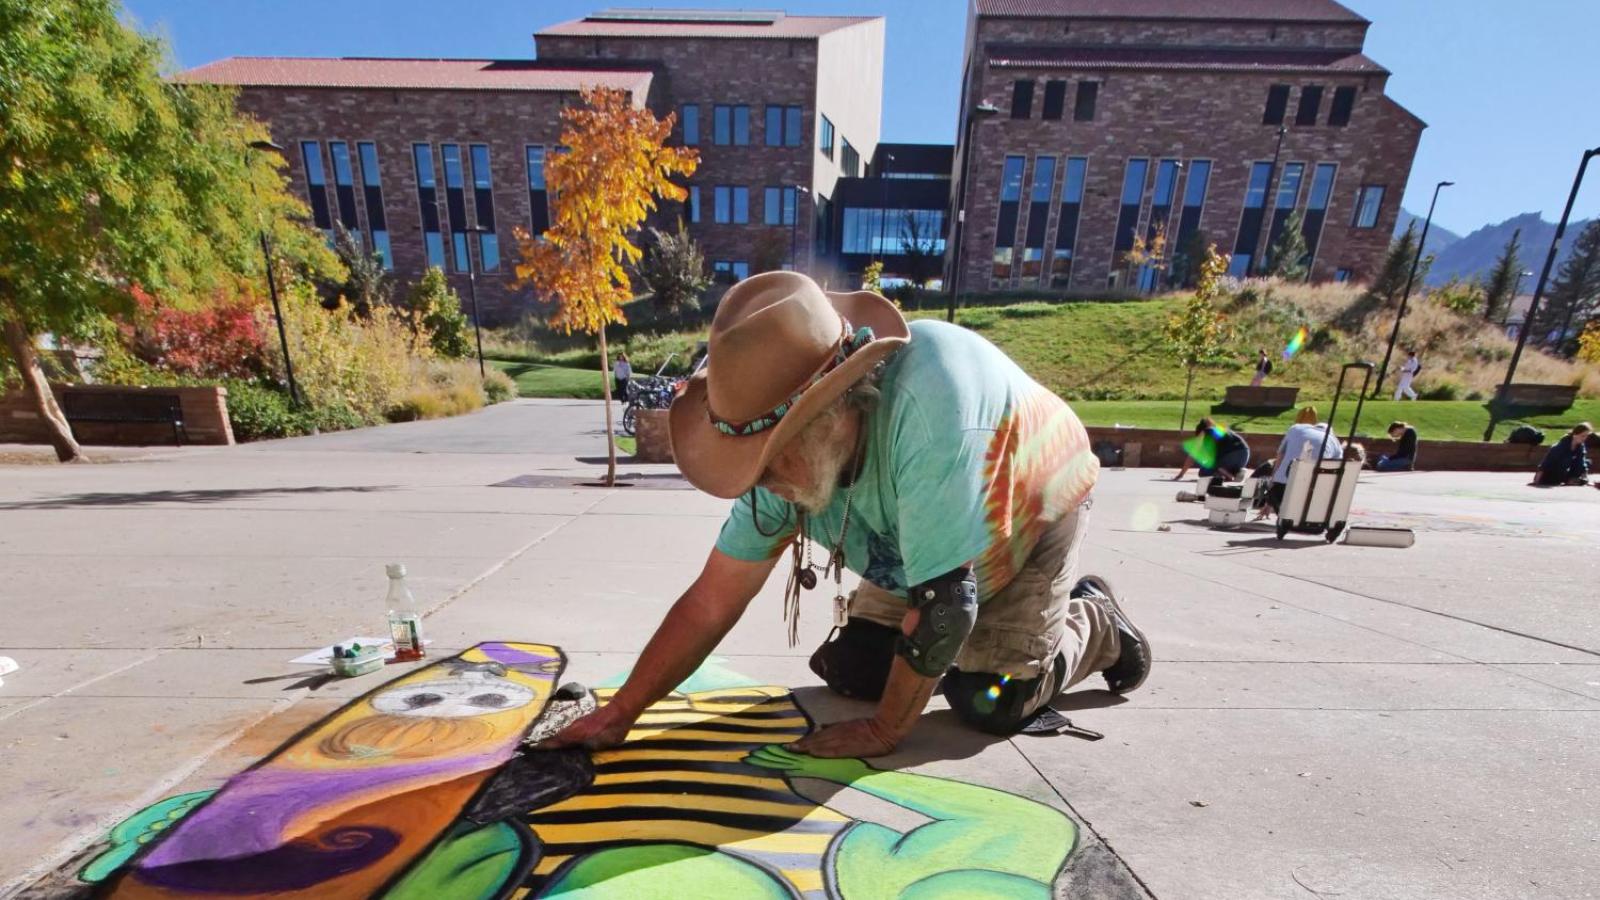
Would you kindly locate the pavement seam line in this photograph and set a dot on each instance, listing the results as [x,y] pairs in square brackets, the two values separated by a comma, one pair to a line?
[83,684]
[103,824]
[1081,818]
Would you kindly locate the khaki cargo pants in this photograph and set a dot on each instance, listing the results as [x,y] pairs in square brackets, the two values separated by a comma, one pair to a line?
[1032,629]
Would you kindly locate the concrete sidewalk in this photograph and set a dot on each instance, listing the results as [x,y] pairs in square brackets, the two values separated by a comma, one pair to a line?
[1322,721]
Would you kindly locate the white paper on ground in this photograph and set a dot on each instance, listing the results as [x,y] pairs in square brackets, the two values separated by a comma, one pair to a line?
[7,666]
[324,655]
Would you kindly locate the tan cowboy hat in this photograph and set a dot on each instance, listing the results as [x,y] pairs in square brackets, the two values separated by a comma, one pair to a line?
[781,350]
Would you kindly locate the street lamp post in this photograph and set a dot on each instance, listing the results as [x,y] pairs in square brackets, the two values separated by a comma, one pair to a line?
[472,292]
[1400,314]
[794,230]
[272,284]
[1544,278]
[1269,205]
[883,204]
[984,110]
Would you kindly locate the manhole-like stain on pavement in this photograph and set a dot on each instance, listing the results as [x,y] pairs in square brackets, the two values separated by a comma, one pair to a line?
[657,482]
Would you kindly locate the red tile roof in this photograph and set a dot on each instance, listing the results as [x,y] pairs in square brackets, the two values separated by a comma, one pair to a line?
[415,74]
[654,23]
[1265,10]
[1180,58]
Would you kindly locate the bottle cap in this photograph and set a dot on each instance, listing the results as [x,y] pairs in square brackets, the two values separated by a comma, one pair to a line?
[396,570]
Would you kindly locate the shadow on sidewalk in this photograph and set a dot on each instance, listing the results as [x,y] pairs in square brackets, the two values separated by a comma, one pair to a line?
[219,495]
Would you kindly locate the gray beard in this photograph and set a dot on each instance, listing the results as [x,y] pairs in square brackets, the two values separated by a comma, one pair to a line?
[826,458]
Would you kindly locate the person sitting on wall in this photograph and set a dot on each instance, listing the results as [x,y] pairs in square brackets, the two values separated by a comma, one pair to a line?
[1567,460]
[1301,441]
[1405,453]
[1232,453]
[923,459]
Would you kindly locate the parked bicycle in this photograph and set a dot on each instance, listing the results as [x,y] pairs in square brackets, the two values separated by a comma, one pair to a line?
[655,392]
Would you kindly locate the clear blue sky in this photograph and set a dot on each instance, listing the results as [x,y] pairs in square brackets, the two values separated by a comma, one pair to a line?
[1507,88]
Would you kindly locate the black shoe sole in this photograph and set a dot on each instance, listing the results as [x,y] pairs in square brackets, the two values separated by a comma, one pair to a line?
[1122,619]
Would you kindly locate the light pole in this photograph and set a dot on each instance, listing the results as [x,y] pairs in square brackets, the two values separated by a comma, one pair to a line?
[1544,278]
[794,230]
[1269,205]
[883,204]
[472,292]
[1400,314]
[272,283]
[982,110]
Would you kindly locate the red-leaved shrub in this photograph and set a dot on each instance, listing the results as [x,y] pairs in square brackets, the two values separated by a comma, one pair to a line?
[221,340]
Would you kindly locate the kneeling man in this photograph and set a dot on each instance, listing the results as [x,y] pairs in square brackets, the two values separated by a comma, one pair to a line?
[919,457]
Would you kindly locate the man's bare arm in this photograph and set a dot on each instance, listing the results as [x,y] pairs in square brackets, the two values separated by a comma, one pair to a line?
[686,636]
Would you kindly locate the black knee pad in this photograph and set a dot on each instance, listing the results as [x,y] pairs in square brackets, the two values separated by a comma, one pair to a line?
[988,702]
[855,661]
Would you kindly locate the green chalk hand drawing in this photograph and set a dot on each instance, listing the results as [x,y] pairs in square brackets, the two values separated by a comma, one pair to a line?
[131,834]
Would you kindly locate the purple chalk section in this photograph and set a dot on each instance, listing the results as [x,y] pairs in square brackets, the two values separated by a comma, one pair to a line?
[249,814]
[511,656]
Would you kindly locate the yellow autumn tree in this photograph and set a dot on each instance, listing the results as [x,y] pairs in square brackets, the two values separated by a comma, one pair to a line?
[613,168]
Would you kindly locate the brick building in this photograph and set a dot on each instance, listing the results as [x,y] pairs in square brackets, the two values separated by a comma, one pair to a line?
[1085,124]
[411,153]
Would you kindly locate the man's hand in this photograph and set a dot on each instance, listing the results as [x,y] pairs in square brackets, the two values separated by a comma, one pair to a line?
[857,738]
[605,727]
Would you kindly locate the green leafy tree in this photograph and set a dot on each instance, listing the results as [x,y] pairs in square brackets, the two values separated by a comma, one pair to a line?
[1459,295]
[111,178]
[367,284]
[1574,294]
[675,270]
[1287,256]
[1500,286]
[434,313]
[1198,334]
[872,277]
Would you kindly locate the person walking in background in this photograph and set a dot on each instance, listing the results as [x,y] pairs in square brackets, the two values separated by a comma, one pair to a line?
[1405,453]
[1263,368]
[1407,373]
[1567,461]
[622,373]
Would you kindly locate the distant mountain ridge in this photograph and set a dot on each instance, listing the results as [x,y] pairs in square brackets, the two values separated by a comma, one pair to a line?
[1473,255]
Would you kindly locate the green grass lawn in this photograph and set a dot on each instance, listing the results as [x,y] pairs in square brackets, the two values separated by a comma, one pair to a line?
[541,380]
[1437,420]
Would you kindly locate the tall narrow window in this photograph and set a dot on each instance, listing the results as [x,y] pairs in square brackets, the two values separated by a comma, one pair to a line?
[483,208]
[1022,99]
[1194,201]
[741,125]
[849,160]
[1067,224]
[690,116]
[1088,93]
[1166,190]
[538,193]
[317,186]
[1369,203]
[1288,198]
[694,203]
[1344,102]
[792,117]
[344,187]
[455,204]
[1317,208]
[1133,181]
[1277,103]
[773,133]
[1310,105]
[1044,179]
[777,206]
[1055,100]
[741,205]
[428,201]
[1005,232]
[825,138]
[372,193]
[1255,201]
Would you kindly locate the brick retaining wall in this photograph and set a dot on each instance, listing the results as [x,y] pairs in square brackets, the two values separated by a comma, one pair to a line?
[205,418]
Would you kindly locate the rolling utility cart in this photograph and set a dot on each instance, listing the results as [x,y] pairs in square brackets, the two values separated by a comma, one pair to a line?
[1317,497]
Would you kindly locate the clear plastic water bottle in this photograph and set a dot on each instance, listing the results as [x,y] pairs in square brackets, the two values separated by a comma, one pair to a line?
[405,616]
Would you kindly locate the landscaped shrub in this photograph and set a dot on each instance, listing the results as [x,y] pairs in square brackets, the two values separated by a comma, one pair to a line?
[442,388]
[433,311]
[259,413]
[226,339]
[498,387]
[363,365]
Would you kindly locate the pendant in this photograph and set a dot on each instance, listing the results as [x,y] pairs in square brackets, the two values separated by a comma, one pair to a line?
[841,611]
[808,578]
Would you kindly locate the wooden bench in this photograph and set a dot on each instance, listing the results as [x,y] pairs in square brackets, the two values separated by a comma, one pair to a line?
[125,407]
[1540,396]
[1243,396]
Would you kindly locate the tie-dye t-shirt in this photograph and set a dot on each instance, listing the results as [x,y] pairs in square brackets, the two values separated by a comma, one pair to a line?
[967,460]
